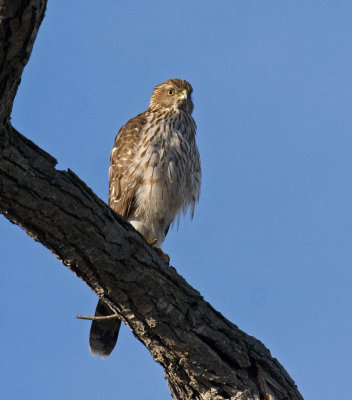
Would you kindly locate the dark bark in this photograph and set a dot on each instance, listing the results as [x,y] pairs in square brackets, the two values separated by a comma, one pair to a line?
[19,24]
[204,355]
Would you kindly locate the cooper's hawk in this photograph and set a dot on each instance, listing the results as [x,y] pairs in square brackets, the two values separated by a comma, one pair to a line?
[154,176]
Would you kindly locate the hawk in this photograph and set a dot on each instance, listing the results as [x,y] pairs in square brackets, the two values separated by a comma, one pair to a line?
[154,176]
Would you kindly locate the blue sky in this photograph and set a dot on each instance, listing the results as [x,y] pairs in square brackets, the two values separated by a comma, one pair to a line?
[270,243]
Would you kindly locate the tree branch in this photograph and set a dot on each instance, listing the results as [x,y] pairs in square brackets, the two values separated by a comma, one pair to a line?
[203,354]
[19,24]
[102,318]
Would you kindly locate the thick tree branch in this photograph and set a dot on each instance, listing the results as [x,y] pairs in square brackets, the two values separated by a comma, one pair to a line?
[204,355]
[19,24]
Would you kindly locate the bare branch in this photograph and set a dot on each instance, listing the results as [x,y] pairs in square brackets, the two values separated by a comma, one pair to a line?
[202,353]
[103,318]
[19,24]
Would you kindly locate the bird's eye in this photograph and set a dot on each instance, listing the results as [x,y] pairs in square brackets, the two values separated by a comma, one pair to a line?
[170,91]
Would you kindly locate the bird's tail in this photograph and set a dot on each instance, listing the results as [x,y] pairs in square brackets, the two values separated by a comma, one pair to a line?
[103,334]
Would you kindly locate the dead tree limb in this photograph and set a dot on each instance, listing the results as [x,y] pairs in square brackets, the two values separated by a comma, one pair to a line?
[204,355]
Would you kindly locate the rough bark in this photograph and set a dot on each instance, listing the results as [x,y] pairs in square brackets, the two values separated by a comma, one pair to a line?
[204,355]
[19,24]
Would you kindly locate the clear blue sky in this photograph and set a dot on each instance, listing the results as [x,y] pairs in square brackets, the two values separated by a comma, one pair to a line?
[270,243]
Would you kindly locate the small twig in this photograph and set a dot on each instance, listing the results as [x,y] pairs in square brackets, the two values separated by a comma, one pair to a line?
[101,318]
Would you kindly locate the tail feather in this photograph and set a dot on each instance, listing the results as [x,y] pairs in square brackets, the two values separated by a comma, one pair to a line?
[103,334]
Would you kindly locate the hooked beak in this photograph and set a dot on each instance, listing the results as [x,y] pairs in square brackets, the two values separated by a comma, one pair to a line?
[183,95]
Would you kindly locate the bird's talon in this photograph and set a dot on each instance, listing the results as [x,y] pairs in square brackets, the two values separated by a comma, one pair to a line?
[151,241]
[163,255]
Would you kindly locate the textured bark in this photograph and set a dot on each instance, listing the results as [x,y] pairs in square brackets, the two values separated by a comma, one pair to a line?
[204,355]
[19,24]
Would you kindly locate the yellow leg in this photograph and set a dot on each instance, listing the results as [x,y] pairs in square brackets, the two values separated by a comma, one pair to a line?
[151,241]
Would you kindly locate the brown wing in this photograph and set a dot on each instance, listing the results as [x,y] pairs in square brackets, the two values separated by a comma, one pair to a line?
[122,181]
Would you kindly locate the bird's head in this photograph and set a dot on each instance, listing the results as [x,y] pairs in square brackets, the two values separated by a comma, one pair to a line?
[173,93]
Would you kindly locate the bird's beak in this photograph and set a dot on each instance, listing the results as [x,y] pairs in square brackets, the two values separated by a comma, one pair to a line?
[183,95]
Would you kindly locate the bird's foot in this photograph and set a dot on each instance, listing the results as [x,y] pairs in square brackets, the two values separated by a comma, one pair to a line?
[151,241]
[163,255]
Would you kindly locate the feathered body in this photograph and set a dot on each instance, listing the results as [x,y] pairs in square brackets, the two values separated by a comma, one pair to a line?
[155,172]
